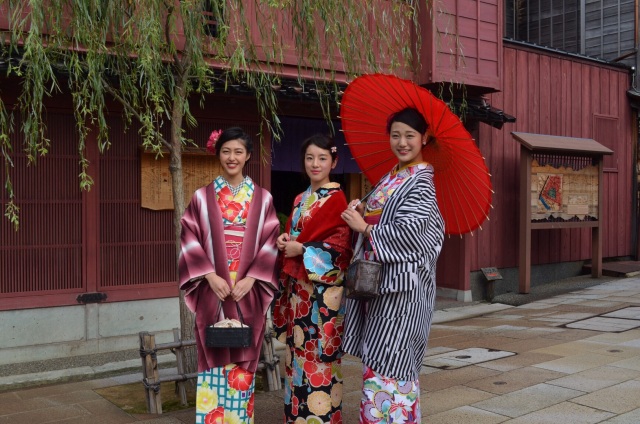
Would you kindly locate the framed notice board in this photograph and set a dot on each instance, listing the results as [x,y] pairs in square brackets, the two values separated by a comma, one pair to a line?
[560,187]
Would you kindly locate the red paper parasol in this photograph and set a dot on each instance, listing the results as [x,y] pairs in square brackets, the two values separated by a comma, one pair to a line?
[463,184]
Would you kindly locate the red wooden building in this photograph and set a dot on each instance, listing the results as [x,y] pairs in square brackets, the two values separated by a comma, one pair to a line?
[74,243]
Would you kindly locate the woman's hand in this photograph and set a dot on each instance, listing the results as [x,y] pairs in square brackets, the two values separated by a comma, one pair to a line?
[293,249]
[242,287]
[218,285]
[353,218]
[357,205]
[282,240]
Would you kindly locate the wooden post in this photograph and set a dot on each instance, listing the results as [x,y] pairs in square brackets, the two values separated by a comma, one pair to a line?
[150,371]
[182,390]
[596,239]
[271,369]
[524,263]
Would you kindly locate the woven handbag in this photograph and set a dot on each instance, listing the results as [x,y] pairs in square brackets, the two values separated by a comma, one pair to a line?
[362,278]
[229,337]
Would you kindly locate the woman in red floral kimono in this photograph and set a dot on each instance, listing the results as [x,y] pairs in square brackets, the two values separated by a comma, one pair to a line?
[309,313]
[228,255]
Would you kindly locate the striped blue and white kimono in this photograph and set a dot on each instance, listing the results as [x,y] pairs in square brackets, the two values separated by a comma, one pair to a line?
[390,332]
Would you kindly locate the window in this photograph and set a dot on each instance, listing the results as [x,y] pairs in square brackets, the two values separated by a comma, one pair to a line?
[598,28]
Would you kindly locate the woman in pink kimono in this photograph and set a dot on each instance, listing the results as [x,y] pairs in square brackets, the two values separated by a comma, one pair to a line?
[309,312]
[228,255]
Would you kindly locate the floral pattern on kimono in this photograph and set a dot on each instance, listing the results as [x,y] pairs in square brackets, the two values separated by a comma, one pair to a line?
[234,209]
[309,317]
[225,396]
[389,401]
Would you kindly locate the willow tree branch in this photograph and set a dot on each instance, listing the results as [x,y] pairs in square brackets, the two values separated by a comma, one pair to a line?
[131,110]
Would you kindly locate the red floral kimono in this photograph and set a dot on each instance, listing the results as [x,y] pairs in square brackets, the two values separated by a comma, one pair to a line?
[234,236]
[309,313]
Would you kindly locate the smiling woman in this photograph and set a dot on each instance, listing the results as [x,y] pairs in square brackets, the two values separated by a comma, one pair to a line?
[228,257]
[309,313]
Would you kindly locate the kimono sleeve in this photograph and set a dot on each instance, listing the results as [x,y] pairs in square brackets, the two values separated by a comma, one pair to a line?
[194,261]
[263,268]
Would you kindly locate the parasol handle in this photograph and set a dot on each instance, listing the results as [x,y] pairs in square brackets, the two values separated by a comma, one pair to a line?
[361,200]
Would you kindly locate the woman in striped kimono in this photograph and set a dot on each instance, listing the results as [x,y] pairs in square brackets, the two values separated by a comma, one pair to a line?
[402,228]
[228,256]
[309,313]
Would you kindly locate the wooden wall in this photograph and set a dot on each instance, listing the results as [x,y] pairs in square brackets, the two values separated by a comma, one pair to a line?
[462,43]
[567,96]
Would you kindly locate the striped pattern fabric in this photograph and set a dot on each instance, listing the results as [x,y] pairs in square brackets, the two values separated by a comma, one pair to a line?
[390,332]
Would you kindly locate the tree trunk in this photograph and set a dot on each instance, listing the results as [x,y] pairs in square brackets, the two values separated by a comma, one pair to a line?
[177,187]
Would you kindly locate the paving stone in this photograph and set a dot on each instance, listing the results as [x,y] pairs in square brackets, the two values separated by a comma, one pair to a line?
[621,398]
[565,412]
[565,349]
[629,363]
[582,295]
[595,378]
[572,315]
[576,363]
[450,378]
[628,313]
[606,324]
[463,358]
[632,417]
[571,334]
[514,380]
[450,398]
[556,321]
[530,399]
[438,350]
[600,303]
[518,361]
[615,338]
[45,415]
[536,305]
[466,414]
[531,332]
[526,345]
[508,316]
[632,343]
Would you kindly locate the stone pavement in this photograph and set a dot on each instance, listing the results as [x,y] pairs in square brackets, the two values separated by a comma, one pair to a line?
[571,358]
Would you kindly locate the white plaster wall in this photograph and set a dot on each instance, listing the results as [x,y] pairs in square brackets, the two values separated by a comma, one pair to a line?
[48,333]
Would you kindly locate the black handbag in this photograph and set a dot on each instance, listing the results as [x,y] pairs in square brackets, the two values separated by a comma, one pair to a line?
[229,337]
[362,279]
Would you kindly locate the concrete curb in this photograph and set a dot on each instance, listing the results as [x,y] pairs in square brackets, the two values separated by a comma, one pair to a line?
[79,373]
[462,312]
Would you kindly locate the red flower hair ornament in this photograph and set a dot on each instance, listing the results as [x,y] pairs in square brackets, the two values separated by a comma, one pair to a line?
[213,139]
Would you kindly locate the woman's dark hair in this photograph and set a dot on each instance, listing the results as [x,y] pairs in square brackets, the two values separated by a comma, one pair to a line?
[234,133]
[323,142]
[408,116]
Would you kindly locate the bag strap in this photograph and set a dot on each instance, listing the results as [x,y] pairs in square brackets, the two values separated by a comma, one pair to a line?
[222,310]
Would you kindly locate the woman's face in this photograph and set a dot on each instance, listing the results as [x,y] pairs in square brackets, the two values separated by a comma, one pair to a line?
[233,156]
[318,164]
[406,143]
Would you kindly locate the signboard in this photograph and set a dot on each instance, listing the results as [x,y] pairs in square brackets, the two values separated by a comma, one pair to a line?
[199,168]
[491,274]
